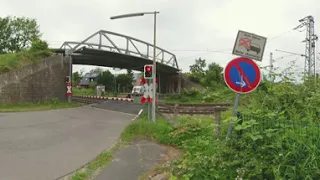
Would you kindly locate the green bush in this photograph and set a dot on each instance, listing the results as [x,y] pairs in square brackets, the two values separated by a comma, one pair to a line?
[192,92]
[39,45]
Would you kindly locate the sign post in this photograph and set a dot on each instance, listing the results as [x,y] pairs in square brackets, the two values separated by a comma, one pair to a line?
[249,45]
[242,75]
[147,95]
[69,89]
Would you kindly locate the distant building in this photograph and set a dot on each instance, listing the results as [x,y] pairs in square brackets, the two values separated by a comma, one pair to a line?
[87,78]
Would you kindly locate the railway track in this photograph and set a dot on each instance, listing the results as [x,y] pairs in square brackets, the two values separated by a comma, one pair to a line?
[190,109]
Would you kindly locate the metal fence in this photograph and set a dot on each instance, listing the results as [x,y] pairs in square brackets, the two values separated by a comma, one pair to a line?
[299,128]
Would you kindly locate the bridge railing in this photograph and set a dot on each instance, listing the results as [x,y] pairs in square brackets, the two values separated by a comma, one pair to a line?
[102,40]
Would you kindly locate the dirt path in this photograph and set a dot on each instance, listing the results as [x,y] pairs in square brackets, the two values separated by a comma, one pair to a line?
[136,159]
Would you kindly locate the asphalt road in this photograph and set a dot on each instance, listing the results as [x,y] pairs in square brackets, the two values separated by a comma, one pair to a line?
[121,106]
[49,144]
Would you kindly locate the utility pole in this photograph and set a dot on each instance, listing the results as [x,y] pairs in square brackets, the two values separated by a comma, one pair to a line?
[310,40]
[154,68]
[271,67]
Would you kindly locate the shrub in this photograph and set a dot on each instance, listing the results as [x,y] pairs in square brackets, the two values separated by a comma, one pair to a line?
[39,45]
[192,92]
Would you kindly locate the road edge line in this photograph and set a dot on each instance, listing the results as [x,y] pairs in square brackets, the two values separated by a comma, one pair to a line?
[140,112]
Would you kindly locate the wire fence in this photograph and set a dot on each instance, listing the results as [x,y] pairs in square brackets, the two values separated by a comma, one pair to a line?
[299,128]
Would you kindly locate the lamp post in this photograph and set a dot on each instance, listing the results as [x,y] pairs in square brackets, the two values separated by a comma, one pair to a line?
[154,54]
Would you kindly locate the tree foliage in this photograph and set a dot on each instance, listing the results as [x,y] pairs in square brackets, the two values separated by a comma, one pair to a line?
[76,77]
[39,45]
[197,70]
[17,33]
[121,83]
[107,79]
[208,75]
[96,70]
[124,81]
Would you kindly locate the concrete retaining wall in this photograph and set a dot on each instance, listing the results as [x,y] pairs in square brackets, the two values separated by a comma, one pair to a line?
[35,82]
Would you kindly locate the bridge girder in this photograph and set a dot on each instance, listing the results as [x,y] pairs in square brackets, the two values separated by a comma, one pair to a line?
[102,41]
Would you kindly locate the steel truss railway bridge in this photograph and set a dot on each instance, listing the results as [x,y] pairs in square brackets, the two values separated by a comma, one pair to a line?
[110,49]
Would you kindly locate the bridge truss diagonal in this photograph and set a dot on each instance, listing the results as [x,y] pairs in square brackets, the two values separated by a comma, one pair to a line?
[126,45]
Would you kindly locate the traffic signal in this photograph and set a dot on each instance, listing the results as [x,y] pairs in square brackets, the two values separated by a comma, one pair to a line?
[148,72]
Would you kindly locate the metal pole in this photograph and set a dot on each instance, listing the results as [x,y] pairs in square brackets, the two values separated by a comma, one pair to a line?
[179,81]
[271,68]
[159,84]
[149,109]
[235,109]
[154,70]
[70,76]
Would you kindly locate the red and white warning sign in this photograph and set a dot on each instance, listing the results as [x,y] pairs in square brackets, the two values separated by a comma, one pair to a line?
[69,89]
[148,91]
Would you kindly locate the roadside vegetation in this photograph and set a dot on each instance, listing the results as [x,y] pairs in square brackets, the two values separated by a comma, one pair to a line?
[40,106]
[20,43]
[275,135]
[84,91]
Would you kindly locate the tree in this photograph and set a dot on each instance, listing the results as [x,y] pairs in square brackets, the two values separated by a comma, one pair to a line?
[5,33]
[39,45]
[97,70]
[107,79]
[17,33]
[76,76]
[213,76]
[124,81]
[197,70]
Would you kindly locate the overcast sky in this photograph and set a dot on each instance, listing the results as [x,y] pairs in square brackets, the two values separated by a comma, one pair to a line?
[188,28]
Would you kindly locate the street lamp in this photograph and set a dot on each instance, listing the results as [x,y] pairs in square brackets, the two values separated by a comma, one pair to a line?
[154,54]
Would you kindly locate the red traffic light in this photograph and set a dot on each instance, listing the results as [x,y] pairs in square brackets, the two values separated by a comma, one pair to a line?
[148,71]
[148,68]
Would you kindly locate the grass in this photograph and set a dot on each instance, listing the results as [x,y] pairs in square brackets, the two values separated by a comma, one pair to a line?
[98,163]
[41,106]
[84,91]
[13,61]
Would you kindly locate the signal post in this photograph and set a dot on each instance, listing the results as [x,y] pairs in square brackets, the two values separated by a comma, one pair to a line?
[148,94]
